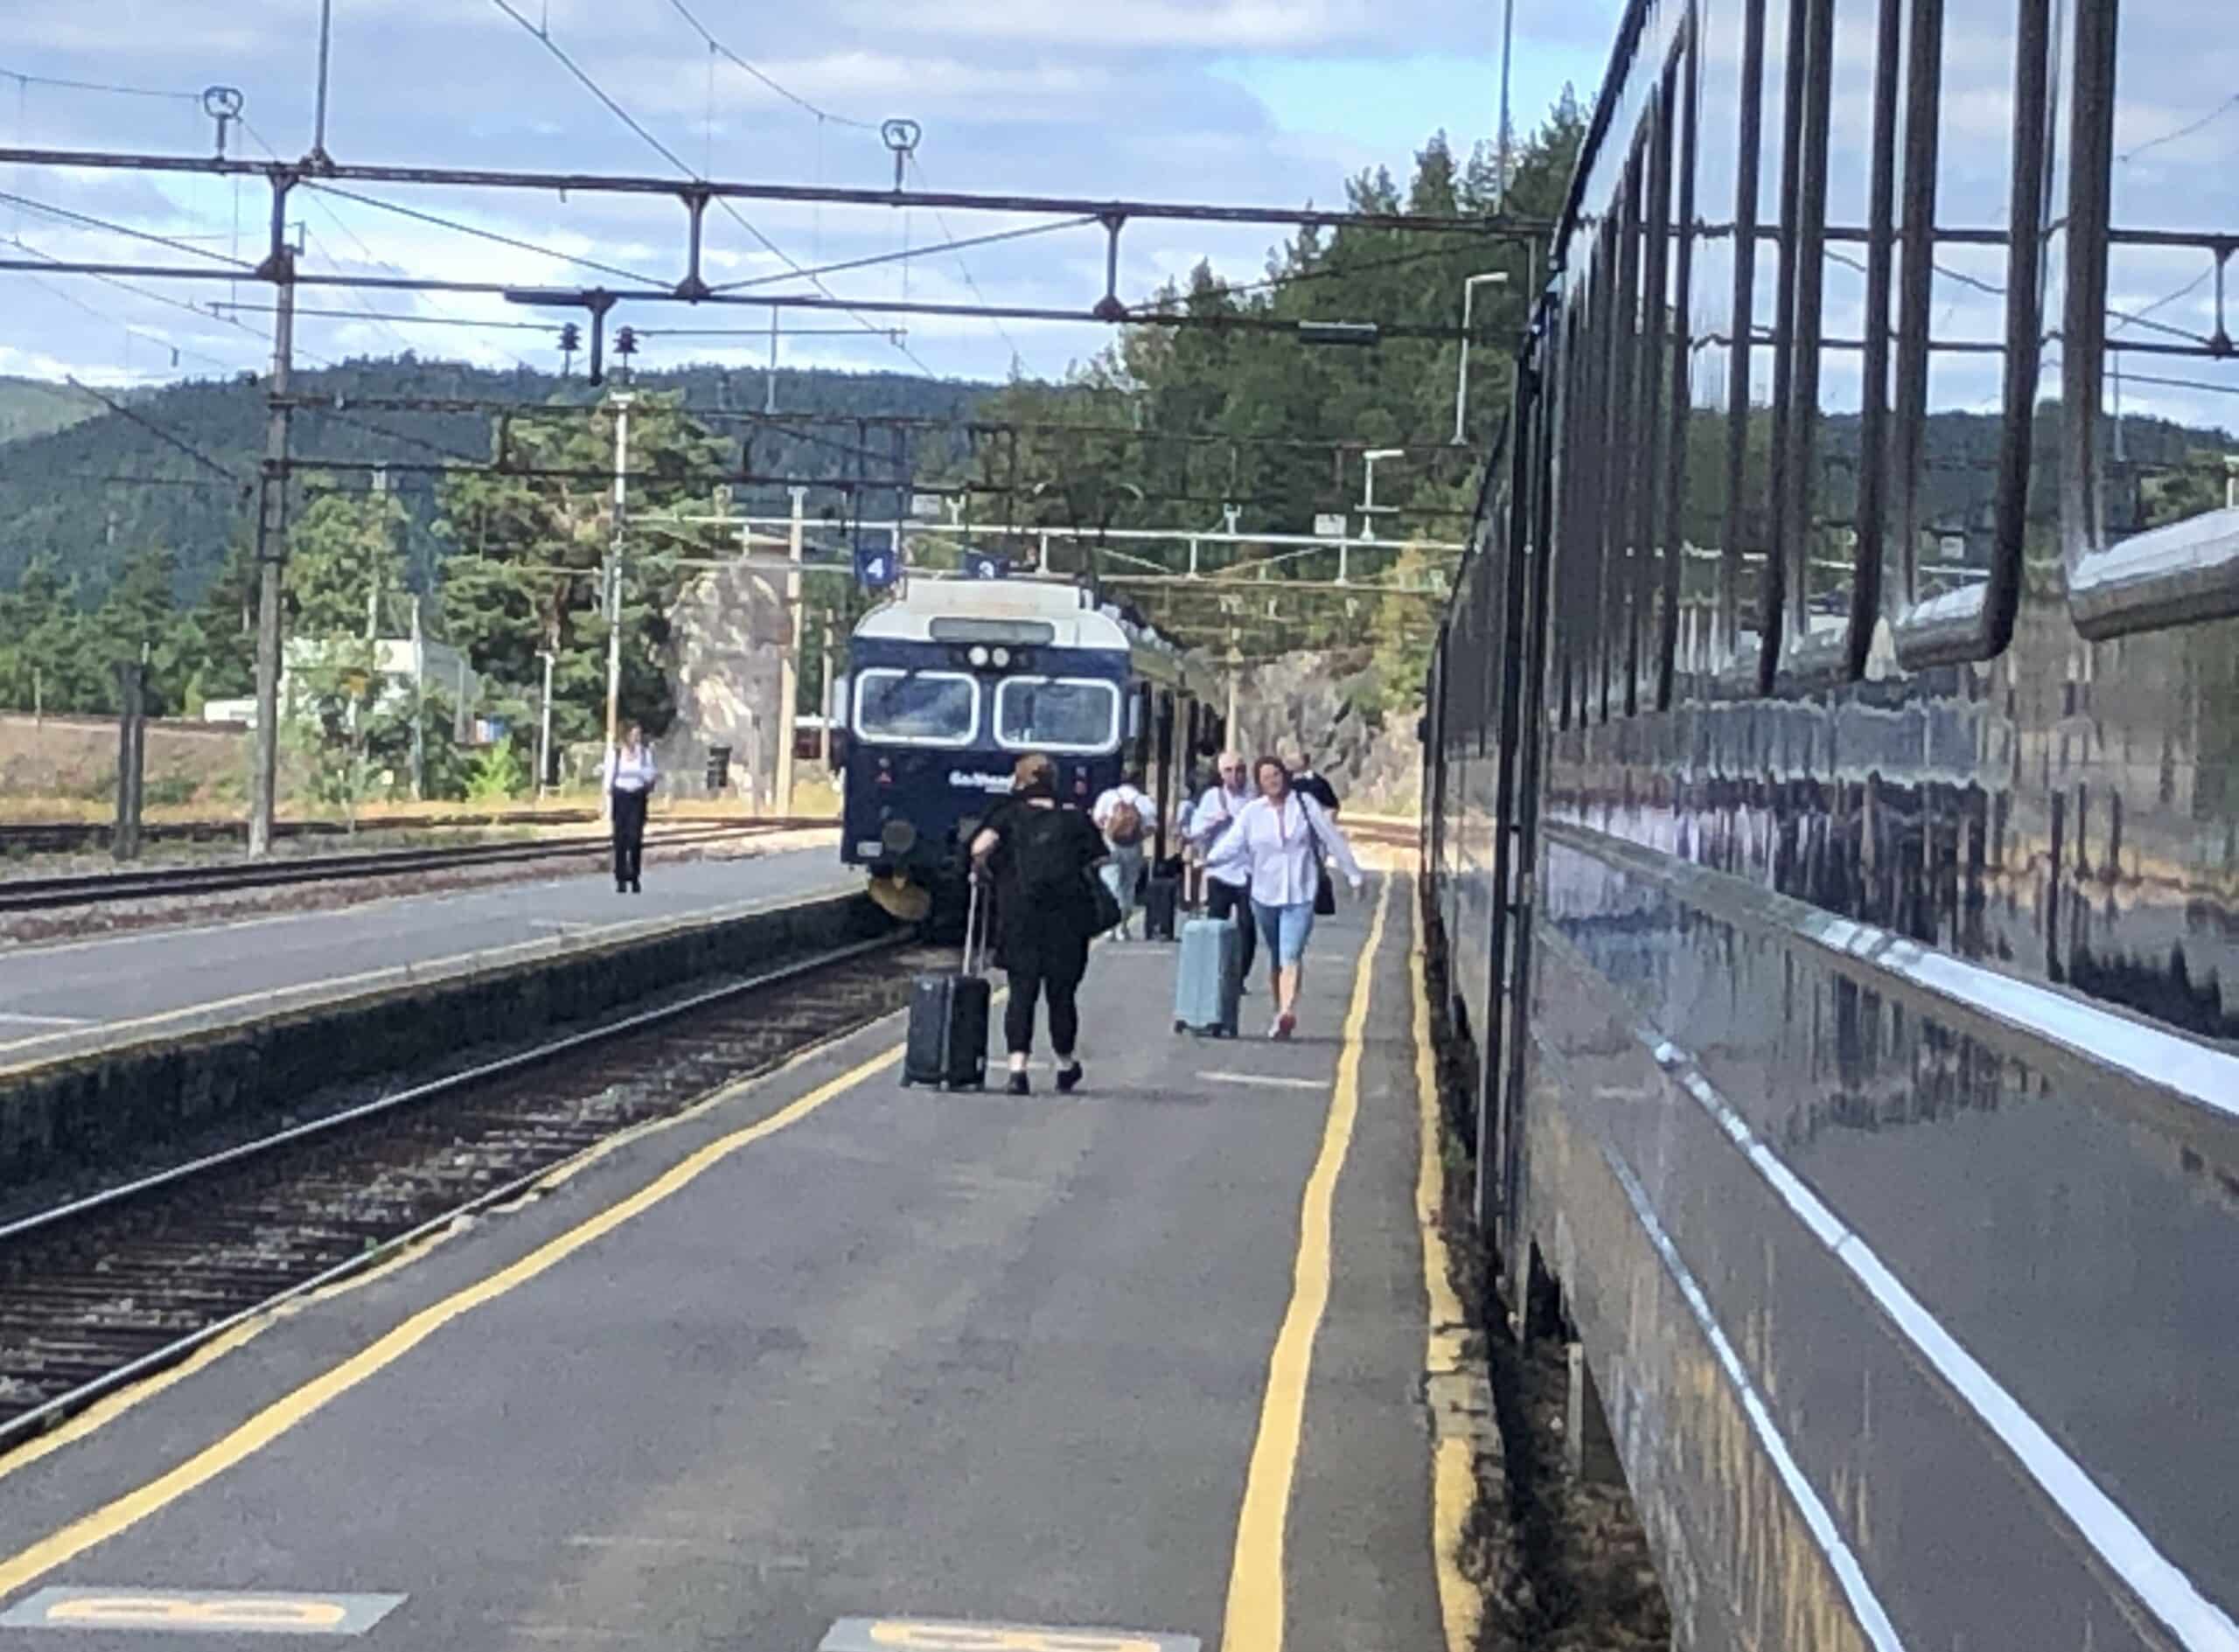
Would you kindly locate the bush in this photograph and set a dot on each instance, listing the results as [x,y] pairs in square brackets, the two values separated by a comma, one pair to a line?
[498,775]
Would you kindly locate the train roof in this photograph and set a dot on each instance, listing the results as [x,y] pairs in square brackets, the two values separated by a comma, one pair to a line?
[1061,614]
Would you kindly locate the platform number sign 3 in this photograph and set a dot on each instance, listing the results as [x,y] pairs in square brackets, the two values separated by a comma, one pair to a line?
[875,569]
[986,565]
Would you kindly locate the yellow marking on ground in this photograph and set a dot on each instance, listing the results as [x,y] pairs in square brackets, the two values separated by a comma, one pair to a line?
[106,1410]
[1453,1475]
[59,1548]
[1255,1618]
[103,1411]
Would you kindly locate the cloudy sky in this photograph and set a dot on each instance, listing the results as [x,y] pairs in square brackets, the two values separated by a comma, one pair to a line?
[1247,102]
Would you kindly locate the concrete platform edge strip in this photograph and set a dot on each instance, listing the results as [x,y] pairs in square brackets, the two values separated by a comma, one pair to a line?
[71,1106]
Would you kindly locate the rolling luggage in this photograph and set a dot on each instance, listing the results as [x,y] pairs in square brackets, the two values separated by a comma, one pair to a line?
[947,1046]
[1161,900]
[1209,977]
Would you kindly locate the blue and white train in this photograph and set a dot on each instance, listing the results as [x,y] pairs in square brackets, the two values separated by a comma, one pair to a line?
[953,680]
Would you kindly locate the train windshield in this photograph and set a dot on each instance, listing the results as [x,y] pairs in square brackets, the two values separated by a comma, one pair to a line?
[916,708]
[1056,714]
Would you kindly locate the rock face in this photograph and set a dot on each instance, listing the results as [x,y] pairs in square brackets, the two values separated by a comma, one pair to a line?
[728,631]
[1315,699]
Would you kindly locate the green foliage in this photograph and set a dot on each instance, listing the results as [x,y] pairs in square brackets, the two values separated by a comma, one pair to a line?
[498,775]
[333,695]
[343,557]
[525,571]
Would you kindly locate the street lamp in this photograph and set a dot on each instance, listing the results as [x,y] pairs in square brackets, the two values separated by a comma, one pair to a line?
[1492,278]
[1369,507]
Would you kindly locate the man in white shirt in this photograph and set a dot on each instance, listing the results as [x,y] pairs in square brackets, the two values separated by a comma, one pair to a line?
[1228,892]
[630,778]
[1126,815]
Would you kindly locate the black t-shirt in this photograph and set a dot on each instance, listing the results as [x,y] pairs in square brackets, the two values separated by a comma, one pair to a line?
[1040,864]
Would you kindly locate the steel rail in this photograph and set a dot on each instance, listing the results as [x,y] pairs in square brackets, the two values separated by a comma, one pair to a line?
[41,1417]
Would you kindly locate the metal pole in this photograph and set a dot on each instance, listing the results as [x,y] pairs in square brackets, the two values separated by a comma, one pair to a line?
[325,44]
[544,730]
[1500,182]
[272,535]
[824,722]
[770,383]
[131,757]
[419,705]
[789,656]
[614,581]
[1461,373]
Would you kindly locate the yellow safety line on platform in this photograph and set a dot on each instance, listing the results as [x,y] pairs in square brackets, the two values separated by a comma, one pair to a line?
[1254,1620]
[275,1419]
[1454,1473]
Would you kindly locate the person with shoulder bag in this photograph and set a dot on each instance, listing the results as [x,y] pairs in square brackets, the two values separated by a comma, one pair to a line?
[1278,845]
[1041,856]
[1124,815]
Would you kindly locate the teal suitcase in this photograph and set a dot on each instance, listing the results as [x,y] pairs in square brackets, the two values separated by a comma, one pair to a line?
[1209,977]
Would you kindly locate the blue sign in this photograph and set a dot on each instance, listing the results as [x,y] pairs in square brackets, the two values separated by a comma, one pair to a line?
[875,569]
[986,565]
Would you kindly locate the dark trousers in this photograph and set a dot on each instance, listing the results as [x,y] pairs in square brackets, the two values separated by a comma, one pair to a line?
[1018,1013]
[1232,902]
[629,837]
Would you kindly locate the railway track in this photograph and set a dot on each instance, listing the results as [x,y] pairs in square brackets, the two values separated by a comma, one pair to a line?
[104,1290]
[40,894]
[68,837]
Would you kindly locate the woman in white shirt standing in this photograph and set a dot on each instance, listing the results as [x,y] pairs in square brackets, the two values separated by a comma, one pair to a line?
[1277,841]
[629,780]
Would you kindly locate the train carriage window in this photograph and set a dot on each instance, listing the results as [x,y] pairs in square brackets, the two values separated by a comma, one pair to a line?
[2149,496]
[1709,589]
[916,708]
[1971,183]
[1056,714]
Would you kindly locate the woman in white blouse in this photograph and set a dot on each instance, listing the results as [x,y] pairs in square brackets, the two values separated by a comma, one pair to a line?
[1278,840]
[630,778]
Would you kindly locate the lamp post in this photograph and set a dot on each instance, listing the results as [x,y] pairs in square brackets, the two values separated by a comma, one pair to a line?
[1490,278]
[1369,508]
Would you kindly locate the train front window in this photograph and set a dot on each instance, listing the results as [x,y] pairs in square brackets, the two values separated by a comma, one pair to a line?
[916,708]
[1059,713]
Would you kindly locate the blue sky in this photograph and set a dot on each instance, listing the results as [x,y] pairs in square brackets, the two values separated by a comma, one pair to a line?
[1263,102]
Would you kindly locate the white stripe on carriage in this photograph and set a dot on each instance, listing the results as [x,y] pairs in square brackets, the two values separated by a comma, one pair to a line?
[1866,1605]
[2198,1623]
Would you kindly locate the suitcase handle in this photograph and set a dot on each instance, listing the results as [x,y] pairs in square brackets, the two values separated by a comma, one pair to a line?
[975,958]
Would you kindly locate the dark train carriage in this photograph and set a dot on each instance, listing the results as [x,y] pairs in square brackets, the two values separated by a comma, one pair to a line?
[948,684]
[1834,829]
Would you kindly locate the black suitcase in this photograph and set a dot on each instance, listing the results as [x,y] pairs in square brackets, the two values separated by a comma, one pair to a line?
[1162,900]
[947,1046]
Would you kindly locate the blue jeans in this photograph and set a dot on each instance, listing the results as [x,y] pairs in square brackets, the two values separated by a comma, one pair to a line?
[1284,929]
[1123,875]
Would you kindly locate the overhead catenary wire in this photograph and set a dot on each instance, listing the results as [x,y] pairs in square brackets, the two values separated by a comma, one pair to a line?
[719,49]
[23,78]
[88,220]
[437,220]
[731,208]
[170,437]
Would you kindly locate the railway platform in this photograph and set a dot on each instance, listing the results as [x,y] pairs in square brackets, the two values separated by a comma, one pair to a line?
[826,1363]
[63,997]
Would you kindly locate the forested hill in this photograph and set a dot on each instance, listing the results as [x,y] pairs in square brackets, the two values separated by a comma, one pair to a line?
[98,491]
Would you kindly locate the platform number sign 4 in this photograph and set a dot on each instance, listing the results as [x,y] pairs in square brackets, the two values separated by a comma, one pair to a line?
[875,569]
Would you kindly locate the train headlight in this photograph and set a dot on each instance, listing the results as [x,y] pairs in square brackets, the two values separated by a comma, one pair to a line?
[898,837]
[1002,657]
[979,654]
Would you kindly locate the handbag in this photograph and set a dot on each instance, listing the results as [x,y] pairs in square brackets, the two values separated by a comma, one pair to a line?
[1325,888]
[1107,904]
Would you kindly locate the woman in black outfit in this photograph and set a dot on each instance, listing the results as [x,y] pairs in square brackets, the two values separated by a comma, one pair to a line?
[1040,852]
